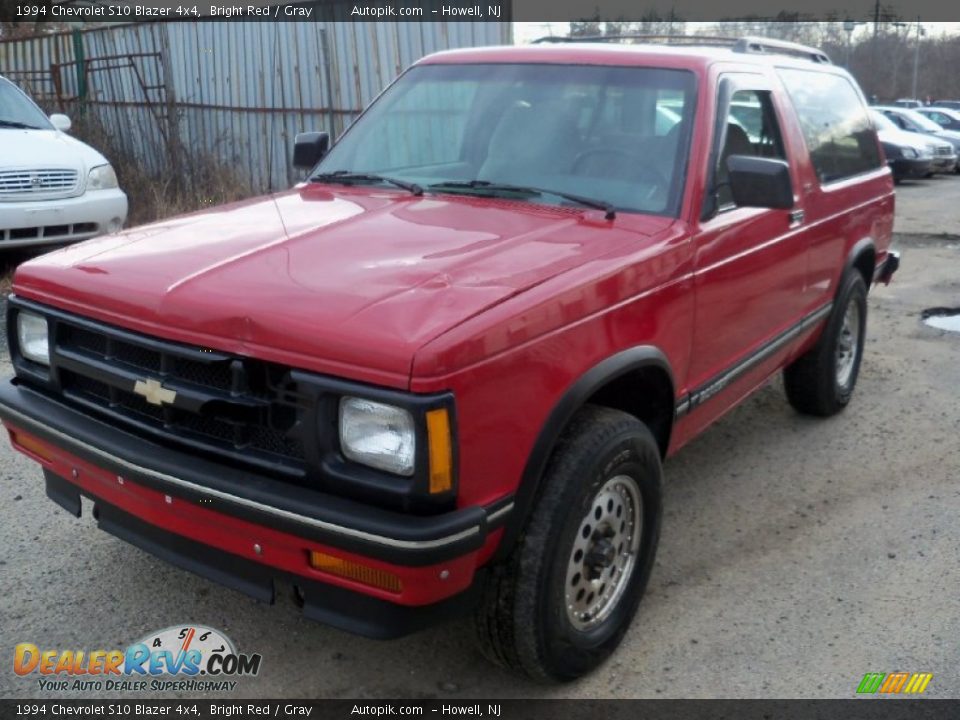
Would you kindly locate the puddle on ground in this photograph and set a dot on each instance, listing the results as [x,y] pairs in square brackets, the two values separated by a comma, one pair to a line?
[943,318]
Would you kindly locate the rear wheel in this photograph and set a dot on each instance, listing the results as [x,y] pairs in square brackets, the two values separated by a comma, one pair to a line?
[562,602]
[821,381]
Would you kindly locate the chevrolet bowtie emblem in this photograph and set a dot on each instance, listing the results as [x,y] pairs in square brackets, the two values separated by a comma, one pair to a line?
[154,392]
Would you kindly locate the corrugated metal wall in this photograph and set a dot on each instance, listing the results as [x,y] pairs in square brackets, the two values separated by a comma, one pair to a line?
[239,90]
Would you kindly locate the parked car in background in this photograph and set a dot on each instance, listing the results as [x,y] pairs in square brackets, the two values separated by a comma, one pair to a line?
[952,104]
[944,117]
[908,103]
[915,122]
[908,155]
[53,188]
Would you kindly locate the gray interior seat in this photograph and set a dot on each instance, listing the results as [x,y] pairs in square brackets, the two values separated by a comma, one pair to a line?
[737,143]
[531,141]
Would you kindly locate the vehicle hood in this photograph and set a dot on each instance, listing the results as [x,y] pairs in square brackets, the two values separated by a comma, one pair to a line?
[913,140]
[45,149]
[952,136]
[347,281]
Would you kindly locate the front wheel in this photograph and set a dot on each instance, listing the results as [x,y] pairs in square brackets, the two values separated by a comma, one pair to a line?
[821,381]
[562,602]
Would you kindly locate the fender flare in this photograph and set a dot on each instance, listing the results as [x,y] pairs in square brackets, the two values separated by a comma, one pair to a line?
[861,246]
[574,397]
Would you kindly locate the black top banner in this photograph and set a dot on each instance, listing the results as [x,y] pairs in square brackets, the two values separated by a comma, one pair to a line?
[106,11]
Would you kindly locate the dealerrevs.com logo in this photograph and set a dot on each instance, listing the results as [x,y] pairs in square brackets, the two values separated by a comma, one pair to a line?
[181,657]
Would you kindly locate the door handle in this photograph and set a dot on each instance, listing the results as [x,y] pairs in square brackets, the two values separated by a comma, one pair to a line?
[796,217]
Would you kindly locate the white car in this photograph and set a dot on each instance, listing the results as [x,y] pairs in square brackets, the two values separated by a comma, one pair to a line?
[53,188]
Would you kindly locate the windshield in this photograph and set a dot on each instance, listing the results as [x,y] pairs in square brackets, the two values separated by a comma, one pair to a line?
[18,111]
[882,122]
[612,134]
[918,119]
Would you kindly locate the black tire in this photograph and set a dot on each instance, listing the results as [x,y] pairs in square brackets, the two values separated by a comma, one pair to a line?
[523,622]
[817,382]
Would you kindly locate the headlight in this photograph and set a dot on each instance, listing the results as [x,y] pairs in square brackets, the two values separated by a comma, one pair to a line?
[908,152]
[33,338]
[102,177]
[378,435]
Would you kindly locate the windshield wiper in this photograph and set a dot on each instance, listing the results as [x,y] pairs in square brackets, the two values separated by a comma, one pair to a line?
[486,186]
[18,125]
[348,177]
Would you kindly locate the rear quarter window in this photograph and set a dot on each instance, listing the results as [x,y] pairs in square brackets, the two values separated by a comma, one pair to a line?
[839,134]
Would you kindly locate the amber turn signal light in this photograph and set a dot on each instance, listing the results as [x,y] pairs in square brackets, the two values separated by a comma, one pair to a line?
[355,571]
[33,445]
[441,451]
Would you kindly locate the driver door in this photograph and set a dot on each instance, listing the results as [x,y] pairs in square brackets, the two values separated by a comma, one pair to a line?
[750,263]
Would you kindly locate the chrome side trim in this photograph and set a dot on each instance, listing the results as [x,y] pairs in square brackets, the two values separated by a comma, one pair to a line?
[493,517]
[713,386]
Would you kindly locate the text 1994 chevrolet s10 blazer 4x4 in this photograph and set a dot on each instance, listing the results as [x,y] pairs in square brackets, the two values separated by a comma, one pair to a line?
[441,374]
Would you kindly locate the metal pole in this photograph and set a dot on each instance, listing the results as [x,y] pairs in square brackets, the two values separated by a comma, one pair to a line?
[875,66]
[916,61]
[848,27]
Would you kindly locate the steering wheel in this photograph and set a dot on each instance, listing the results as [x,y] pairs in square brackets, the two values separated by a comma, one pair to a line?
[646,173]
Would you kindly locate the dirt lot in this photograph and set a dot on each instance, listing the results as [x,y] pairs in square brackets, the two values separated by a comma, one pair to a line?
[796,555]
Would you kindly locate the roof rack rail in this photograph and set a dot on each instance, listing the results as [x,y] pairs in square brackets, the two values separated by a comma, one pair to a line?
[780,47]
[758,45]
[665,39]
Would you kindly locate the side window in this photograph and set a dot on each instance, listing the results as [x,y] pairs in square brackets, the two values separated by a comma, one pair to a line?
[752,129]
[839,135]
[896,119]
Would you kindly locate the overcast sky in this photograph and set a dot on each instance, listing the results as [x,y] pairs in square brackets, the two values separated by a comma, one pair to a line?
[525,32]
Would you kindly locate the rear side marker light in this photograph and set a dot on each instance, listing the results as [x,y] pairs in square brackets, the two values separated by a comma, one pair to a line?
[355,571]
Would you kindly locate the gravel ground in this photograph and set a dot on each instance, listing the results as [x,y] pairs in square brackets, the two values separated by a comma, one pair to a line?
[797,554]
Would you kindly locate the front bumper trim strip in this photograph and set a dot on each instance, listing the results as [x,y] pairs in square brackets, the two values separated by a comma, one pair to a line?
[237,500]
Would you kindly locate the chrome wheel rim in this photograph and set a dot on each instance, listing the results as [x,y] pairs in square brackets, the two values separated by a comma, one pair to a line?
[604,553]
[847,344]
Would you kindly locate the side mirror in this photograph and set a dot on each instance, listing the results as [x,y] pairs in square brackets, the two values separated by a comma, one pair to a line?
[308,148]
[760,182]
[61,122]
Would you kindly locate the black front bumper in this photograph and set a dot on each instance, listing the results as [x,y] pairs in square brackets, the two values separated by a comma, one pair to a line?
[335,606]
[394,537]
[904,168]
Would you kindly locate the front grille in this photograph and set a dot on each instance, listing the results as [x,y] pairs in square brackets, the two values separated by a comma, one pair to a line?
[944,150]
[53,233]
[32,182]
[239,408]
